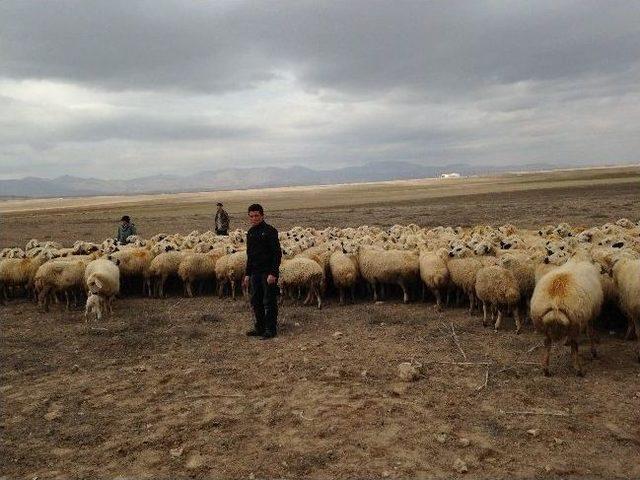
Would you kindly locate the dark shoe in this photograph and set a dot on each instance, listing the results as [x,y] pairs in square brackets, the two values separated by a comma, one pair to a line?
[255,333]
[267,335]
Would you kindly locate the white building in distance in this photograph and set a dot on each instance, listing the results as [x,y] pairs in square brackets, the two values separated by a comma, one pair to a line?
[450,175]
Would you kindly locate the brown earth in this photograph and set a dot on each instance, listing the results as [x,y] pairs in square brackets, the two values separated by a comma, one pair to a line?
[173,388]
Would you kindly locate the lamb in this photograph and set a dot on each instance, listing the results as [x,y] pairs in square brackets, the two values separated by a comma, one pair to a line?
[564,303]
[626,273]
[379,266]
[102,278]
[344,272]
[497,287]
[96,304]
[435,273]
[302,272]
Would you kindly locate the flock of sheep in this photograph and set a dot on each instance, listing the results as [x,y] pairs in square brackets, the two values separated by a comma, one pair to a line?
[559,277]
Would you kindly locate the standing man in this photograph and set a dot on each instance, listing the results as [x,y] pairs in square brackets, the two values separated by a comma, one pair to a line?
[263,267]
[222,221]
[125,230]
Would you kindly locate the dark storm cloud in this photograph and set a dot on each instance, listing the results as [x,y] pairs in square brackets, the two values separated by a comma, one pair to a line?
[355,46]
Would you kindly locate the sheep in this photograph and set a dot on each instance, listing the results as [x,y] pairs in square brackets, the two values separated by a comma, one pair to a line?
[102,277]
[344,272]
[379,266]
[564,303]
[304,272]
[59,276]
[162,267]
[626,274]
[236,266]
[497,287]
[435,273]
[19,272]
[463,268]
[135,262]
[198,266]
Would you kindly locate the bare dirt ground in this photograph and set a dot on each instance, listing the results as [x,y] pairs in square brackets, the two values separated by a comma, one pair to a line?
[173,388]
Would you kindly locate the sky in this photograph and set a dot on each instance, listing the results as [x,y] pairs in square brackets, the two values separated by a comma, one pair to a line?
[126,88]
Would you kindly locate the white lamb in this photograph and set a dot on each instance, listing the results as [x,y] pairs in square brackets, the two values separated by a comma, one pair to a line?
[344,272]
[564,304]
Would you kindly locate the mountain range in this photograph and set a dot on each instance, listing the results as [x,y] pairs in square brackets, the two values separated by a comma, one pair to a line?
[241,178]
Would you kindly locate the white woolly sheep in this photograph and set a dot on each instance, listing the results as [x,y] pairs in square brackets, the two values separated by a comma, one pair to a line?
[463,269]
[135,262]
[626,273]
[344,272]
[198,267]
[102,277]
[56,276]
[564,304]
[435,273]
[497,288]
[163,266]
[397,267]
[301,272]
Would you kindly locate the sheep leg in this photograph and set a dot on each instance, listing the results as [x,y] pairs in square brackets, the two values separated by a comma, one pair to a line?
[591,334]
[484,313]
[318,297]
[66,297]
[353,294]
[637,324]
[496,327]
[381,291]
[472,303]
[630,329]
[341,290]
[233,289]
[375,292]
[576,358]
[405,292]
[300,293]
[546,353]
[436,292]
[516,316]
[187,287]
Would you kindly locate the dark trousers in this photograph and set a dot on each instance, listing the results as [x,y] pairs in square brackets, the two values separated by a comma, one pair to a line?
[222,232]
[264,303]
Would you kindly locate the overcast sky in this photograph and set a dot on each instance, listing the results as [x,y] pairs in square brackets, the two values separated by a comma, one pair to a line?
[129,88]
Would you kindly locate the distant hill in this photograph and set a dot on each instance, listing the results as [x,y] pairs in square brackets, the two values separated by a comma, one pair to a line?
[240,178]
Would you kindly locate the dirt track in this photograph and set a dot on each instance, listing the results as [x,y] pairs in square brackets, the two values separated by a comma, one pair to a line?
[173,388]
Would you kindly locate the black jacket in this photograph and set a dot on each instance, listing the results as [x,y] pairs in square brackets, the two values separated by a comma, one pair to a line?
[263,250]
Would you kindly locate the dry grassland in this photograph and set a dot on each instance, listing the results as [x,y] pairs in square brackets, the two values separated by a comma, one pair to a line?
[172,387]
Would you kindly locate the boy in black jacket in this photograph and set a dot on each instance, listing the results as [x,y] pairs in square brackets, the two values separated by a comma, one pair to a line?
[263,265]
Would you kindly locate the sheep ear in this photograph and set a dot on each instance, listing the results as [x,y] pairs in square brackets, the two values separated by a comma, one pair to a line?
[98,283]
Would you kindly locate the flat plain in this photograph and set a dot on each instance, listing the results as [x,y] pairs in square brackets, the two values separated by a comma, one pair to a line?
[173,388]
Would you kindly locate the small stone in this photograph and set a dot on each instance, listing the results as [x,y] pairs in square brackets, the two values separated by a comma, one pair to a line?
[558,441]
[52,415]
[195,461]
[75,368]
[386,474]
[176,452]
[364,373]
[441,437]
[464,442]
[337,334]
[534,432]
[252,476]
[399,389]
[460,466]
[296,324]
[408,372]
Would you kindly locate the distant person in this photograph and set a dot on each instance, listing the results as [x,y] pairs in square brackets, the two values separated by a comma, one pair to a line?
[222,221]
[125,230]
[263,267]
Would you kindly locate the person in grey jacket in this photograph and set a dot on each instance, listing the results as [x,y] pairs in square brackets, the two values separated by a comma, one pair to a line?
[125,230]
[221,221]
